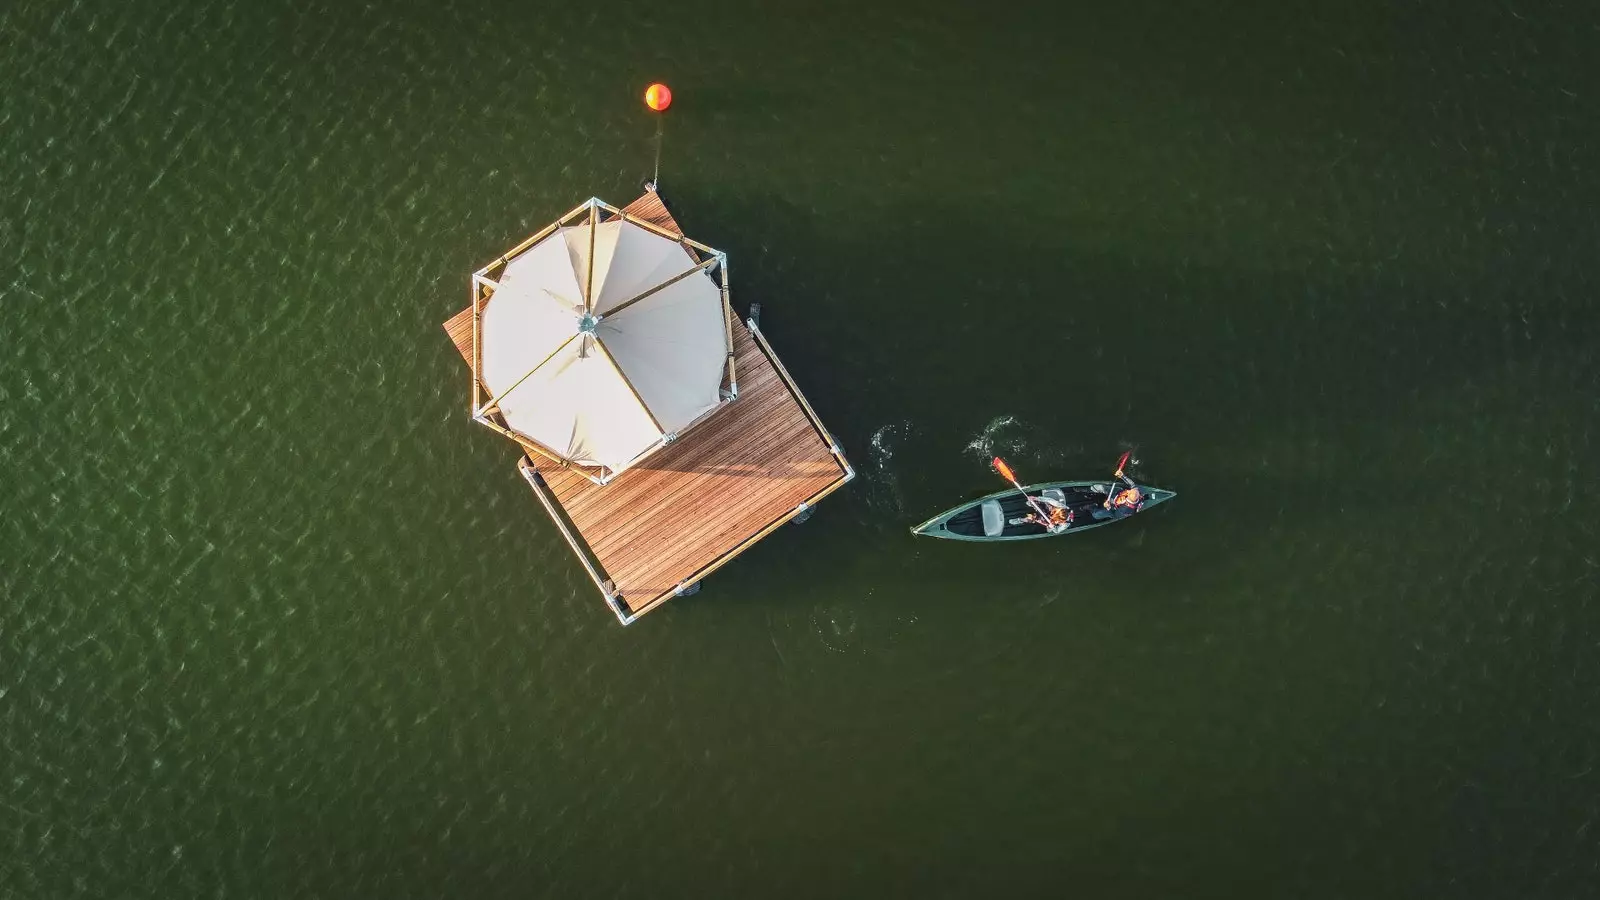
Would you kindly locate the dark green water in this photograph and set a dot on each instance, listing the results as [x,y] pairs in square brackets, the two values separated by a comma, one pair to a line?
[277,621]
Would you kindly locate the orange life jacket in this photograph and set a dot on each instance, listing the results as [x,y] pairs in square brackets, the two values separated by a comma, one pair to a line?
[1128,498]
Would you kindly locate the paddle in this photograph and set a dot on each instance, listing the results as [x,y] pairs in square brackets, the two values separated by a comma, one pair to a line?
[1111,489]
[1006,473]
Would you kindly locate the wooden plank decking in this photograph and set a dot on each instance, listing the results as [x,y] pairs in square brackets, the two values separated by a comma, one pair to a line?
[694,505]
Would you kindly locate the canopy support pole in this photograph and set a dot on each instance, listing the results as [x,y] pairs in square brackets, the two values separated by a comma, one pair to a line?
[588,283]
[523,442]
[518,383]
[477,344]
[538,236]
[663,286]
[727,327]
[629,382]
[674,236]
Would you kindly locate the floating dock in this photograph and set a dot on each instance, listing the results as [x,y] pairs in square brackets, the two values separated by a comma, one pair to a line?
[658,528]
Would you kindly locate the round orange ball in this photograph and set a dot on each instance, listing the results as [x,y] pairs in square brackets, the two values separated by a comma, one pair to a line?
[658,97]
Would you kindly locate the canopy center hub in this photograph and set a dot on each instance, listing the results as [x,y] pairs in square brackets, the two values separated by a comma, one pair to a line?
[587,323]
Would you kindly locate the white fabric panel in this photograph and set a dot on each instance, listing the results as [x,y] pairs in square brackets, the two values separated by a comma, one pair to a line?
[523,322]
[544,270]
[673,347]
[642,260]
[581,409]
[605,248]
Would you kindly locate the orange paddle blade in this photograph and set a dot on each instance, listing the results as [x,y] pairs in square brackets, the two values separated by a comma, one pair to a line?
[1122,462]
[1004,470]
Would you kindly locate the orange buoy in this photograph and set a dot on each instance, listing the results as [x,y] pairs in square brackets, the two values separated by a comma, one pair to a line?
[658,97]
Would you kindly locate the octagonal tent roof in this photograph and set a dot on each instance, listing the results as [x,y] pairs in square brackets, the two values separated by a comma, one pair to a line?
[604,339]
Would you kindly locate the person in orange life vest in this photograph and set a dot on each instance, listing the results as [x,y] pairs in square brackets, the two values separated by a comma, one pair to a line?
[1059,517]
[1127,501]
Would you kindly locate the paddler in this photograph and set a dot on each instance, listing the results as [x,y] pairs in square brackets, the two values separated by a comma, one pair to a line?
[1057,518]
[1125,501]
[1049,514]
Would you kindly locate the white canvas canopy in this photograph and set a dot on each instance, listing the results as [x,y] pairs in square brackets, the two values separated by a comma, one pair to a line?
[604,339]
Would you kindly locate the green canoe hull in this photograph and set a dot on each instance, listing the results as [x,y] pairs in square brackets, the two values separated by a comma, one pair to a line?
[1085,498]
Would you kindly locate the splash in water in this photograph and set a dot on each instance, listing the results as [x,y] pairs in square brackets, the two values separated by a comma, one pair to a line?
[845,629]
[885,484]
[883,441]
[1012,437]
[1003,433]
[837,629]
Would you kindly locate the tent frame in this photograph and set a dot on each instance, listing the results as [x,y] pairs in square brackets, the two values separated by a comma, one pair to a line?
[598,212]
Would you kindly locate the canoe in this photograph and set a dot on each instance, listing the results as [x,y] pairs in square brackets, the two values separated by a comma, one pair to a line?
[999,516]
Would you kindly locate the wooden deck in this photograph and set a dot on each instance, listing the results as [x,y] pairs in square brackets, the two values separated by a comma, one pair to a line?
[663,525]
